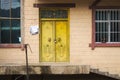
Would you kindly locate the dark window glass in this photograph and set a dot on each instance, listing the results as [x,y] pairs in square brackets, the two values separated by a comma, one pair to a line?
[101,15]
[61,14]
[114,15]
[15,31]
[15,11]
[15,34]
[5,36]
[0,9]
[4,8]
[5,31]
[101,32]
[54,13]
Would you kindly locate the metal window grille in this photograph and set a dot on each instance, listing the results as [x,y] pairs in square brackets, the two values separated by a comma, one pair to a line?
[107,25]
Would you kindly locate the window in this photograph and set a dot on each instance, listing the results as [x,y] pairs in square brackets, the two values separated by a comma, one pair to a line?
[53,13]
[107,25]
[10,21]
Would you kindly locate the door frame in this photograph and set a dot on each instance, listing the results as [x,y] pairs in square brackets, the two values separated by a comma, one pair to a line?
[68,31]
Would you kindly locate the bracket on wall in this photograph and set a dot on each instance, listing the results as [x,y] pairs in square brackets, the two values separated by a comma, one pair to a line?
[94,4]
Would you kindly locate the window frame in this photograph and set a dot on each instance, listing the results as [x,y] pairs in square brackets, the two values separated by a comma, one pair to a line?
[93,43]
[16,45]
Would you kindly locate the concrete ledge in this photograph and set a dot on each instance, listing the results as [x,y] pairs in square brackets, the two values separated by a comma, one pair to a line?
[77,69]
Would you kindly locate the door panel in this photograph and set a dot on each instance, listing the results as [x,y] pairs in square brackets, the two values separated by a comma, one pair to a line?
[54,41]
[48,46]
[62,43]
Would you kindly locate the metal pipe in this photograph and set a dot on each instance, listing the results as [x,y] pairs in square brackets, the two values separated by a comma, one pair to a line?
[27,66]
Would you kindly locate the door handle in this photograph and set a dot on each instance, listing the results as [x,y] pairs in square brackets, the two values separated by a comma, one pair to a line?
[55,41]
[59,39]
[49,39]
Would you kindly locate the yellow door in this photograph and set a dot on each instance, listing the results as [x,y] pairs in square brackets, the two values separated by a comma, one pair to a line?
[62,41]
[48,46]
[54,44]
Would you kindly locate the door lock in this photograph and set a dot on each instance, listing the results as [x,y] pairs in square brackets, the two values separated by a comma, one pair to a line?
[59,39]
[49,39]
[55,41]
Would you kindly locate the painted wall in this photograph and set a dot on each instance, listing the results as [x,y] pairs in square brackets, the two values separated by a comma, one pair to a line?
[105,58]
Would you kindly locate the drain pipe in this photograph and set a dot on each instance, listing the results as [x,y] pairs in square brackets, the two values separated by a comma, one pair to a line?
[27,66]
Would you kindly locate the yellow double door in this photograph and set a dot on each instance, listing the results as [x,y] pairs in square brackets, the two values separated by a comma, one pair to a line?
[54,41]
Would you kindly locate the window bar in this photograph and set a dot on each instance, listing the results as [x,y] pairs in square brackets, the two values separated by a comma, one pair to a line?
[97,36]
[103,15]
[97,32]
[116,36]
[119,14]
[10,21]
[118,30]
[98,15]
[0,32]
[106,15]
[119,37]
[114,29]
[97,28]
[114,39]
[104,31]
[112,32]
[0,24]
[109,25]
[111,15]
[100,31]
[116,14]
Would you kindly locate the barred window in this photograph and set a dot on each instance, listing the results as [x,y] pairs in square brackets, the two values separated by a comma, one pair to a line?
[107,25]
[10,21]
